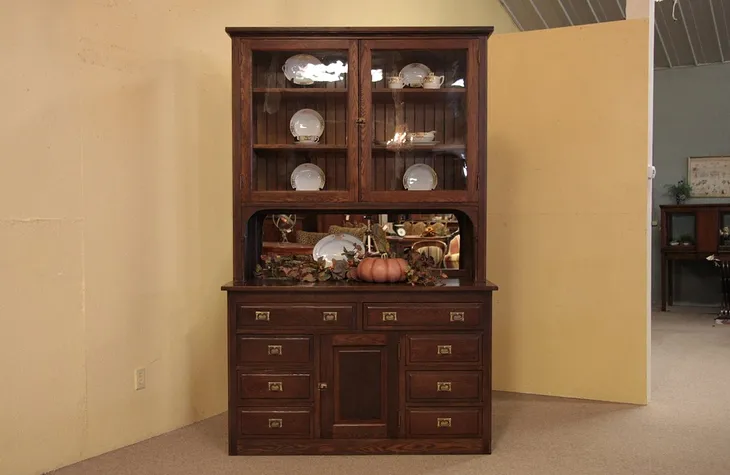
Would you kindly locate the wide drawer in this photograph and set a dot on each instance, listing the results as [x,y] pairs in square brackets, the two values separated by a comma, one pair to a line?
[447,422]
[464,386]
[447,348]
[299,315]
[446,315]
[275,386]
[274,350]
[272,423]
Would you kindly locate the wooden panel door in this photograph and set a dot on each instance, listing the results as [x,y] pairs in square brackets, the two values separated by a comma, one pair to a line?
[426,132]
[298,105]
[359,400]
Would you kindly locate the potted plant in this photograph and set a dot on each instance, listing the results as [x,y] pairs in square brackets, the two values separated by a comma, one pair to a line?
[679,191]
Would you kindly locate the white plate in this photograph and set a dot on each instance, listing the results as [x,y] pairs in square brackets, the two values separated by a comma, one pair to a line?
[307,177]
[414,73]
[301,69]
[420,177]
[332,246]
[306,122]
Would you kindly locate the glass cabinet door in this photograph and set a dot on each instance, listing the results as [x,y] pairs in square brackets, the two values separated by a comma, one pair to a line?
[420,113]
[298,105]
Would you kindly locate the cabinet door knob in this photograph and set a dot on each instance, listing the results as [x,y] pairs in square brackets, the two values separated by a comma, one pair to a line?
[275,423]
[329,316]
[322,386]
[276,386]
[390,316]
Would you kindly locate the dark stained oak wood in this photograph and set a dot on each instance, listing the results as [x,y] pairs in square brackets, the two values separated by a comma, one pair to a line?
[364,32]
[708,220]
[317,368]
[400,446]
[438,349]
[444,386]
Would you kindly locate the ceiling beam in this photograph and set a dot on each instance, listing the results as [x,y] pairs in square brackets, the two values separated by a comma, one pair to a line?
[664,47]
[686,30]
[539,14]
[590,5]
[717,32]
[509,11]
[562,7]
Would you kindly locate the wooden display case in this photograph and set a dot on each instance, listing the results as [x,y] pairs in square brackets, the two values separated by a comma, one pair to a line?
[353,367]
[690,232]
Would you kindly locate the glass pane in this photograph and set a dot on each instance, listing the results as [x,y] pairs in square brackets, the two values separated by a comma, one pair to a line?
[359,388]
[725,232]
[682,229]
[419,119]
[299,120]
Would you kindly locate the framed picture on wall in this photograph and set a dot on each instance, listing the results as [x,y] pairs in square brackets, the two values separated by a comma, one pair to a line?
[709,177]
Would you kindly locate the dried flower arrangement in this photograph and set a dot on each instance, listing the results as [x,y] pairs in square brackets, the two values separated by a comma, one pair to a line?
[304,268]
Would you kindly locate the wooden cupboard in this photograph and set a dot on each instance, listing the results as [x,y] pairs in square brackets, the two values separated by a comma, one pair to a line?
[354,367]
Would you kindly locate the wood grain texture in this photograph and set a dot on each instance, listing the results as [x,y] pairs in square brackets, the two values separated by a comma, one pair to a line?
[315,368]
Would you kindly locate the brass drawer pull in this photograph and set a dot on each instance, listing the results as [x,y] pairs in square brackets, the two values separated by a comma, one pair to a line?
[275,423]
[443,386]
[456,316]
[443,349]
[443,422]
[390,316]
[262,316]
[276,386]
[329,316]
[274,350]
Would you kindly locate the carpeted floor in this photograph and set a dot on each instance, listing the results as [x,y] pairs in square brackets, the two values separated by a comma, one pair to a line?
[685,430]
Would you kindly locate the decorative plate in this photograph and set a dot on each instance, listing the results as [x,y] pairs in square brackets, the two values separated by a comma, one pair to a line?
[307,177]
[332,246]
[414,73]
[306,122]
[420,177]
[300,69]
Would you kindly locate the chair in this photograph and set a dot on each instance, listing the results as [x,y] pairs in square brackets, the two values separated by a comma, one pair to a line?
[451,259]
[433,248]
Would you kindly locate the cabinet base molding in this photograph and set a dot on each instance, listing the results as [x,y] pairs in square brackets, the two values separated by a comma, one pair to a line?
[359,447]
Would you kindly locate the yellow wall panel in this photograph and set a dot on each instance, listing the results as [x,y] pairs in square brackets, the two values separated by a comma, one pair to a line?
[567,212]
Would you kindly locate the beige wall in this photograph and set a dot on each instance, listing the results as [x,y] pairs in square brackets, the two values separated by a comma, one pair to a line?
[115,210]
[568,151]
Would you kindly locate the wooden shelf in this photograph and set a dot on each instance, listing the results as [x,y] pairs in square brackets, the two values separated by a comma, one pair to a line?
[301,92]
[300,147]
[421,148]
[420,90]
[345,286]
[418,94]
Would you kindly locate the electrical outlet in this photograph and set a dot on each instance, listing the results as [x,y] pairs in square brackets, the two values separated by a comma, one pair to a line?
[140,379]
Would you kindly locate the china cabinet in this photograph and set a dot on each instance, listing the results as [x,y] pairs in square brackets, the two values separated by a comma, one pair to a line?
[359,122]
[691,232]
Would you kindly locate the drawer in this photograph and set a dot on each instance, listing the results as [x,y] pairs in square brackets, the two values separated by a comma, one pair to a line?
[435,349]
[447,422]
[275,386]
[273,350]
[465,386]
[299,315]
[447,315]
[265,422]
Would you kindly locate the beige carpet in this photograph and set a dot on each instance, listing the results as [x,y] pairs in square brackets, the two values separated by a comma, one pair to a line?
[685,430]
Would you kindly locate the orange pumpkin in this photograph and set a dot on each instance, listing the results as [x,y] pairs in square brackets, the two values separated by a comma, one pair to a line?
[376,269]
